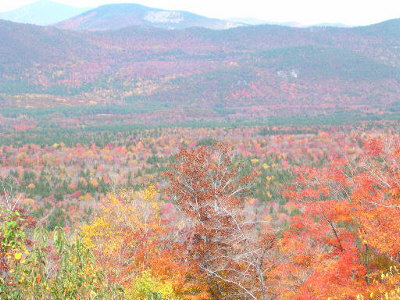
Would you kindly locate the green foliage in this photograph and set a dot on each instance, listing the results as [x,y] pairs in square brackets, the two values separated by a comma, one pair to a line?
[56,219]
[11,234]
[208,141]
[50,266]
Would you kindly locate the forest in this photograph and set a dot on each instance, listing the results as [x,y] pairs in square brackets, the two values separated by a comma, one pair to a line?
[239,73]
[179,162]
[307,211]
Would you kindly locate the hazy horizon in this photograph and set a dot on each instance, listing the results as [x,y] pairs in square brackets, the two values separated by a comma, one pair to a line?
[307,12]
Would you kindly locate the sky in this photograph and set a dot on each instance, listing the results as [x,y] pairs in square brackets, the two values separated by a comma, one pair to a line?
[305,12]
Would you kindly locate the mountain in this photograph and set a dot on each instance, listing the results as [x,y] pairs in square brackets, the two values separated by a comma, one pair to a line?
[250,70]
[388,30]
[329,25]
[116,16]
[249,21]
[253,21]
[42,12]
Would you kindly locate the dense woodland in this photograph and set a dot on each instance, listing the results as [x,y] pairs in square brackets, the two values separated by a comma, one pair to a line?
[240,73]
[245,212]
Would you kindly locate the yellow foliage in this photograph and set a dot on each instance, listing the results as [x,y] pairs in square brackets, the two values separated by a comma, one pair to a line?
[128,239]
[146,285]
[265,166]
[254,161]
[269,178]
[386,285]
[121,217]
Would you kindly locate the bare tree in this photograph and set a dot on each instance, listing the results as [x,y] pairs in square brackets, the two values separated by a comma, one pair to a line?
[8,197]
[230,242]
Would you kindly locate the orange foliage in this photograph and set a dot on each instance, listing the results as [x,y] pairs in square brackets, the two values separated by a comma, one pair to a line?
[345,239]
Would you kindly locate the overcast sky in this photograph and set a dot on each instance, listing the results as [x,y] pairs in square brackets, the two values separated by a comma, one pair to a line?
[350,12]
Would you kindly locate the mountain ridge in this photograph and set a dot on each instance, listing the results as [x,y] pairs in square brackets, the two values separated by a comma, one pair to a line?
[274,68]
[42,12]
[117,16]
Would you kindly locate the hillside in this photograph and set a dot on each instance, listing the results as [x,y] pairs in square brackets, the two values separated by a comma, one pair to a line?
[116,16]
[42,12]
[144,156]
[246,71]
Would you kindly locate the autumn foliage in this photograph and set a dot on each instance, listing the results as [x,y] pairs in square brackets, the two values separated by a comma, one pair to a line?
[242,213]
[229,242]
[137,247]
[348,231]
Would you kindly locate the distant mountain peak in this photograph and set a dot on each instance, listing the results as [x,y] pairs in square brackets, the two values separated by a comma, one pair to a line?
[42,12]
[117,16]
